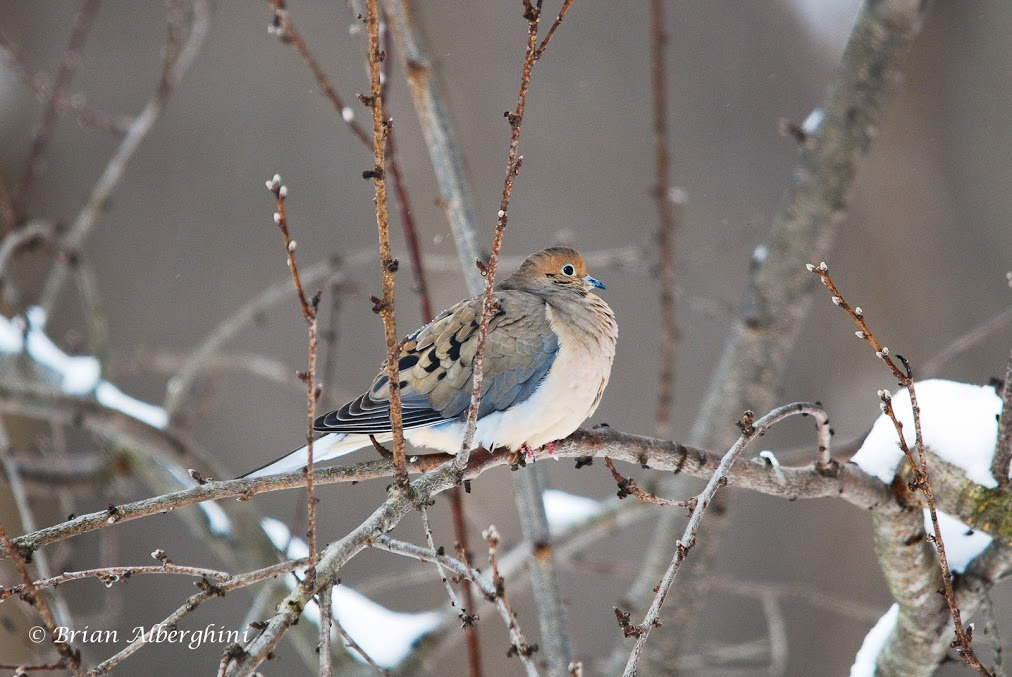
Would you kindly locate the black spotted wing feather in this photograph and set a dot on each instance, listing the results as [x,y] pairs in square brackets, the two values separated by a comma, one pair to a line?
[436,366]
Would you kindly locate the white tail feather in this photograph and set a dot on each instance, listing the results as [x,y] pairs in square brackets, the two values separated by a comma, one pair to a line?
[326,448]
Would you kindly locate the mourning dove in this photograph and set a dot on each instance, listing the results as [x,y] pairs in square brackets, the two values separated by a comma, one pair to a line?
[548,357]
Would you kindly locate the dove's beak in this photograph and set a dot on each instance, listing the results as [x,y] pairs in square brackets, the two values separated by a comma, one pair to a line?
[594,282]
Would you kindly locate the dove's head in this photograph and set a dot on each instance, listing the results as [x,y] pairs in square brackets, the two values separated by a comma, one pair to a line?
[553,270]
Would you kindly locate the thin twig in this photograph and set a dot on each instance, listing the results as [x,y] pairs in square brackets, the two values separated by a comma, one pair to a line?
[354,646]
[68,67]
[20,495]
[464,613]
[513,163]
[966,341]
[388,265]
[68,103]
[208,591]
[31,595]
[551,31]
[750,430]
[922,479]
[309,308]
[530,503]
[284,27]
[522,649]
[117,574]
[627,487]
[667,221]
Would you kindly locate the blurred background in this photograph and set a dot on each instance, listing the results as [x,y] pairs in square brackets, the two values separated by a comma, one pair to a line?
[188,237]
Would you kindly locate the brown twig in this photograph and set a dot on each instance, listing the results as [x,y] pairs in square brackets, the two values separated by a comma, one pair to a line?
[31,595]
[465,614]
[667,221]
[551,31]
[750,429]
[388,265]
[513,163]
[627,487]
[68,67]
[284,27]
[1003,448]
[455,495]
[309,308]
[922,479]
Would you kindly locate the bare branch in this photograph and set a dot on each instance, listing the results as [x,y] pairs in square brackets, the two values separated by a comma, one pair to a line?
[388,265]
[491,591]
[309,307]
[779,295]
[30,594]
[668,214]
[208,591]
[750,430]
[1000,466]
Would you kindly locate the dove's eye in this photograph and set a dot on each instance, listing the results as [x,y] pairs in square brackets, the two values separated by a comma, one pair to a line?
[569,270]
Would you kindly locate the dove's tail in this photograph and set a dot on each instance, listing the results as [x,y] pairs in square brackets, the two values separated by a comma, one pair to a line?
[326,448]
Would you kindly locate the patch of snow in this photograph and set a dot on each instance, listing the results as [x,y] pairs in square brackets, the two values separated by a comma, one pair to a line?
[386,636]
[962,544]
[867,656]
[114,398]
[79,374]
[813,121]
[564,510]
[12,340]
[959,424]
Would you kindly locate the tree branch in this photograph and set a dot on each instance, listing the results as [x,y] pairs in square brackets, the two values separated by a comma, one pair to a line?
[779,296]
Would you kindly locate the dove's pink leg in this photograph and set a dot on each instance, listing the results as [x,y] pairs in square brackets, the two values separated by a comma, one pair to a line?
[528,452]
[551,448]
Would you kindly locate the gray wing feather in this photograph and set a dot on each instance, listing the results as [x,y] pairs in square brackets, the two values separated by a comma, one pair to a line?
[436,367]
